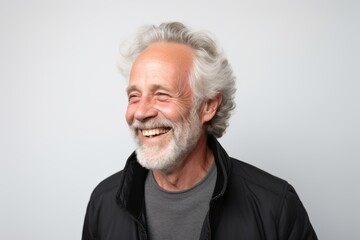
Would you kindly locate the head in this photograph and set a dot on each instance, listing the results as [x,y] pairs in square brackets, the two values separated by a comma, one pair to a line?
[176,76]
[211,74]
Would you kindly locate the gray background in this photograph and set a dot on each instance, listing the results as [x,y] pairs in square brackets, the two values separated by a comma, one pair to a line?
[62,102]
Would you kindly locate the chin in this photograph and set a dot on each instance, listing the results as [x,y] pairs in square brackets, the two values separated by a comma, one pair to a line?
[158,158]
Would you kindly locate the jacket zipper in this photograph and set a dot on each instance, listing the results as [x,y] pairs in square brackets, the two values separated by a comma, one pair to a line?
[142,227]
[143,230]
[209,234]
[212,201]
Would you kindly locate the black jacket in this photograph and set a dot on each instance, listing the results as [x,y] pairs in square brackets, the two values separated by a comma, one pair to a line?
[247,203]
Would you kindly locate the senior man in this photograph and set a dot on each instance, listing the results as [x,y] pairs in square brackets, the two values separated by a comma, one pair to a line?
[180,183]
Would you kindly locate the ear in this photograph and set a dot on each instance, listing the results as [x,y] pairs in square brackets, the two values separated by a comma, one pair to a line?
[209,108]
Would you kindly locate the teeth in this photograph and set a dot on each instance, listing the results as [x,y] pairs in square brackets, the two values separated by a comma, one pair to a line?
[154,132]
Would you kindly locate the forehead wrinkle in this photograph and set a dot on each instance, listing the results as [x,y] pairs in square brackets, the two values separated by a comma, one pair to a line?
[154,87]
[183,85]
[176,58]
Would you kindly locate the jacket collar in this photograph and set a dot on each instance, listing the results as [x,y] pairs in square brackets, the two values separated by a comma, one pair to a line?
[223,167]
[130,194]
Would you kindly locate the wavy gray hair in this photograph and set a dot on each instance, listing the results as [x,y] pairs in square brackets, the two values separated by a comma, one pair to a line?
[211,73]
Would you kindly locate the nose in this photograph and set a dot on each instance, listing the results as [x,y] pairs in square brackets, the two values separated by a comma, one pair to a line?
[145,110]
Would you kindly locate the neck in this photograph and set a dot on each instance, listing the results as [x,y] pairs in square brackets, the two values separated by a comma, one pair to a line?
[191,171]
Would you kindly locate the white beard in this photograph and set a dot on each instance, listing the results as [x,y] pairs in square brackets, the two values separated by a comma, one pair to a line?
[167,156]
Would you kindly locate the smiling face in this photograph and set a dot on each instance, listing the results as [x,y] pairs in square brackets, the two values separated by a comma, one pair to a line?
[160,113]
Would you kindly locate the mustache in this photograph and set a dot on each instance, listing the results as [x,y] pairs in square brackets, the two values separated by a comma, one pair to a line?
[152,123]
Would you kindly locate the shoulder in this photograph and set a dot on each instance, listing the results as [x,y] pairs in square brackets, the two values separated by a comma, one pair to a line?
[265,197]
[256,178]
[109,185]
[255,185]
[274,197]
[245,178]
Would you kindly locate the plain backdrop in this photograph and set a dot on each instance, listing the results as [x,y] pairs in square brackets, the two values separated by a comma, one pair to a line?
[62,102]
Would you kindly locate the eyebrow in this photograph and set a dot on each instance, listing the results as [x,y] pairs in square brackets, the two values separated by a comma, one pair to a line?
[131,88]
[153,88]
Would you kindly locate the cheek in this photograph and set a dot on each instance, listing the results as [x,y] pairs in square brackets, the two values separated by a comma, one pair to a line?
[175,112]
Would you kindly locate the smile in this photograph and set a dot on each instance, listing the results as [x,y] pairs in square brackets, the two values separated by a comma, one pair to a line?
[154,132]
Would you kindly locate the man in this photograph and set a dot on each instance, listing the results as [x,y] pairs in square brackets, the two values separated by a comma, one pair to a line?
[180,183]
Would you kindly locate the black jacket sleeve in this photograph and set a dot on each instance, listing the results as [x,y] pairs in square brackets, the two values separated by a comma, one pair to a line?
[89,228]
[294,223]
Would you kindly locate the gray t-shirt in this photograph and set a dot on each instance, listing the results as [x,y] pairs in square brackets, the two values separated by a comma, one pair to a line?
[178,215]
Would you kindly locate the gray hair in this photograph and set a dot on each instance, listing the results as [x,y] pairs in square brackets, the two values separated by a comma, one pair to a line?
[211,73]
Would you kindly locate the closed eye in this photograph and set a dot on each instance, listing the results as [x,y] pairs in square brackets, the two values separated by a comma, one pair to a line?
[132,98]
[161,96]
